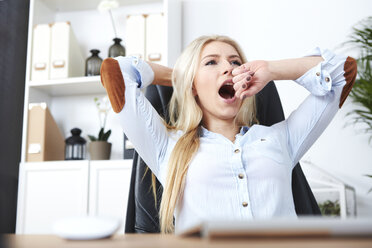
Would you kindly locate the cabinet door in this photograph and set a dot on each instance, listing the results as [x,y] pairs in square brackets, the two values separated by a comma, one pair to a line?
[109,189]
[49,191]
[135,36]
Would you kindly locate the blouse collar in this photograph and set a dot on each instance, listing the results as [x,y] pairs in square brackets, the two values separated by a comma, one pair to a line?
[206,133]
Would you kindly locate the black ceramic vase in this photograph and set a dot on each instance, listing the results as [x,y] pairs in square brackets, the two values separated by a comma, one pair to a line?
[116,49]
[93,64]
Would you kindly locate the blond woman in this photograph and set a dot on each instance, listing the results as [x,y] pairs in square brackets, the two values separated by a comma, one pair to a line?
[213,160]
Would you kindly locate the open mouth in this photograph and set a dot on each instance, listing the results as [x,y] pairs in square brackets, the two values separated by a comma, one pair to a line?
[227,90]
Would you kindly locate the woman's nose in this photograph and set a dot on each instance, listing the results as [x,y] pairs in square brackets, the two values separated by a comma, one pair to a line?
[228,68]
[227,72]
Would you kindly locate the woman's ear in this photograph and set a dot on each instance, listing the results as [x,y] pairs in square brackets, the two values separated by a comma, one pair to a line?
[194,93]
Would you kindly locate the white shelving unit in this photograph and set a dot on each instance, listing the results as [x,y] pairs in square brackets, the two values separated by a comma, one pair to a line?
[71,100]
[326,187]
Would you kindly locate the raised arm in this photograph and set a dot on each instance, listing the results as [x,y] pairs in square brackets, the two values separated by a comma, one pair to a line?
[113,80]
[291,69]
[286,69]
[162,74]
[328,77]
[123,77]
[251,77]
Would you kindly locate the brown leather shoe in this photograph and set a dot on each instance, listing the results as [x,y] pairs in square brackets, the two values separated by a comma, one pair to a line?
[113,81]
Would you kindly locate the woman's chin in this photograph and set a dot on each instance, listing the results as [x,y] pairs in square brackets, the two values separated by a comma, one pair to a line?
[228,112]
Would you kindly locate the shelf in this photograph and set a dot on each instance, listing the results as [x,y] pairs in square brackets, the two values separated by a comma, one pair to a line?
[70,86]
[79,162]
[71,99]
[73,5]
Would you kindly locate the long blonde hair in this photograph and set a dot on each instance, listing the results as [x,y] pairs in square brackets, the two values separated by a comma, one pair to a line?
[186,115]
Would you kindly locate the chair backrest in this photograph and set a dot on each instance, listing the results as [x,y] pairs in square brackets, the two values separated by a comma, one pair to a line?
[142,211]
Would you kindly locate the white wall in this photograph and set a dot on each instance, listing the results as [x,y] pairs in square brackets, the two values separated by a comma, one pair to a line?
[272,29]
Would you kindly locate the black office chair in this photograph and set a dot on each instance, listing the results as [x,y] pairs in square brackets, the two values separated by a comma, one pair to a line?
[142,211]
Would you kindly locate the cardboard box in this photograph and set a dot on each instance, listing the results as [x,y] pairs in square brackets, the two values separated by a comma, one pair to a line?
[45,141]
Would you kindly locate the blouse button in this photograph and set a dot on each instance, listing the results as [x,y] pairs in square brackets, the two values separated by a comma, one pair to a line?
[327,79]
[241,175]
[245,204]
[236,150]
[318,74]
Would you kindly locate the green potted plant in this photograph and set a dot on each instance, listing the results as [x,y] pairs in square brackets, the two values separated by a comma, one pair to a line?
[361,94]
[330,208]
[99,147]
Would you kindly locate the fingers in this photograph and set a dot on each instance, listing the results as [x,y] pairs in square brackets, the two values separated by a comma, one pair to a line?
[241,69]
[242,82]
[253,90]
[238,70]
[243,76]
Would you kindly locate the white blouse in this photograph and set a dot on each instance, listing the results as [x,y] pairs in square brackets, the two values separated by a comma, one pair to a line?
[242,180]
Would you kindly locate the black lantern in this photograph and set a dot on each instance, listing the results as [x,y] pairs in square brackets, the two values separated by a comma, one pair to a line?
[75,146]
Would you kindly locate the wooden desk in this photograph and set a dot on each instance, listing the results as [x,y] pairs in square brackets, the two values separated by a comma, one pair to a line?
[155,240]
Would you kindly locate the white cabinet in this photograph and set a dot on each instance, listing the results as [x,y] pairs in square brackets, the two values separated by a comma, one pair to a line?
[108,189]
[50,191]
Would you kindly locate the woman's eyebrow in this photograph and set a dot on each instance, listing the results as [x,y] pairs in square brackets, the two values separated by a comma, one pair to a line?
[216,55]
[234,56]
[211,55]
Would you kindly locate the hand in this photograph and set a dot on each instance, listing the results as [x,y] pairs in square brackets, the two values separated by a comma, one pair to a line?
[250,78]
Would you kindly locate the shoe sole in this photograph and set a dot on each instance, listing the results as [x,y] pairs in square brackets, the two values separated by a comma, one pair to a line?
[113,81]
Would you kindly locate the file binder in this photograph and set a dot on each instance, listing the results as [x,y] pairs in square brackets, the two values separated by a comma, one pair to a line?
[145,37]
[45,141]
[155,42]
[135,36]
[40,52]
[66,59]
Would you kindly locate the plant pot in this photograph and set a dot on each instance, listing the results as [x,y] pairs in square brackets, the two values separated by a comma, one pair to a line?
[99,150]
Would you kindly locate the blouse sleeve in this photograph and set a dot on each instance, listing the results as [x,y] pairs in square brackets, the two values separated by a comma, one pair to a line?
[138,118]
[329,84]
